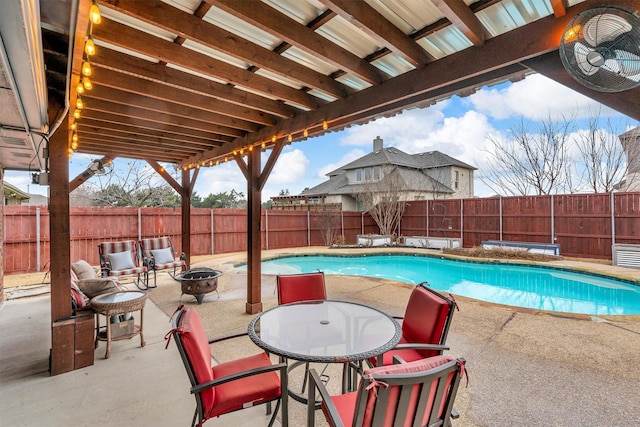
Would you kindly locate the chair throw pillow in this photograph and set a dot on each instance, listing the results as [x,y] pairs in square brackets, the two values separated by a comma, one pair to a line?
[83,270]
[121,261]
[162,256]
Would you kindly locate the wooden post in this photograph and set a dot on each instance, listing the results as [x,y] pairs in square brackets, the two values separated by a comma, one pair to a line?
[254,242]
[187,189]
[62,330]
[2,295]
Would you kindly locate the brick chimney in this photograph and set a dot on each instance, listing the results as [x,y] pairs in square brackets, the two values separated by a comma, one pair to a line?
[377,144]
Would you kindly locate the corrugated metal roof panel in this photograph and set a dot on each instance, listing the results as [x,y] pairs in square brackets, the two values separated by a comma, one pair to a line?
[278,78]
[309,60]
[345,35]
[353,82]
[393,65]
[237,26]
[407,15]
[188,6]
[116,16]
[511,14]
[445,42]
[322,95]
[303,11]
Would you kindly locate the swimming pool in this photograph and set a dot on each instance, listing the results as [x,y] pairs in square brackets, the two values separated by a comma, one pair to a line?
[518,285]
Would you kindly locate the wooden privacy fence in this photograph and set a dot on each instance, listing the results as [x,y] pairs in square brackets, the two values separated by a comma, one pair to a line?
[585,225]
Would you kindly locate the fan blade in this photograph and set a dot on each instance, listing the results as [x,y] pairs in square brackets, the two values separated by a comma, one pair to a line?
[605,27]
[581,51]
[629,64]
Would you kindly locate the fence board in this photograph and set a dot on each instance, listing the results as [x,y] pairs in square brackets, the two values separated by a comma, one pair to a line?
[581,224]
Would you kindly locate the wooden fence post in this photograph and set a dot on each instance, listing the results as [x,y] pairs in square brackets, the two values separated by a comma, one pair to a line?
[266,229]
[553,226]
[212,235]
[612,197]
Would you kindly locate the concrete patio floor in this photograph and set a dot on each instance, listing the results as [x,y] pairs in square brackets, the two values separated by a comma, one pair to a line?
[525,367]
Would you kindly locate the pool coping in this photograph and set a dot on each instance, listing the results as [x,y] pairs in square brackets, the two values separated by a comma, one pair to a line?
[525,263]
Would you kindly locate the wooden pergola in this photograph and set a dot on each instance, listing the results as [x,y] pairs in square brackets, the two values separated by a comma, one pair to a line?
[223,80]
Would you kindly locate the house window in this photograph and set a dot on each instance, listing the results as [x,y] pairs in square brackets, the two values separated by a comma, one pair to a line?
[455,179]
[368,174]
[376,173]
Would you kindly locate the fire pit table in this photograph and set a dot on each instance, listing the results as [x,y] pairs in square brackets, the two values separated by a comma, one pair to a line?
[199,281]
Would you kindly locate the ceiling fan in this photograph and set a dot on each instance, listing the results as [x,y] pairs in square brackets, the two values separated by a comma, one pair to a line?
[600,48]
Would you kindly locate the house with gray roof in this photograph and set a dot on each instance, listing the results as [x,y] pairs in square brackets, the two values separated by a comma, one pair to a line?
[422,176]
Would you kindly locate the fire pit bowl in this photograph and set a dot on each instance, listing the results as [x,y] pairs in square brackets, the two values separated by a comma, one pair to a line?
[199,281]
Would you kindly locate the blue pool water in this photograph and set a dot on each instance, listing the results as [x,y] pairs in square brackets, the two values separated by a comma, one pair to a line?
[522,286]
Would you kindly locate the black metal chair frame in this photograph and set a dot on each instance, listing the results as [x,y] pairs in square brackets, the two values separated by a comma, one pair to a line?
[197,388]
[440,347]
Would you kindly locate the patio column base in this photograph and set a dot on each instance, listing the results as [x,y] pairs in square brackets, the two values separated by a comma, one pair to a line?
[253,308]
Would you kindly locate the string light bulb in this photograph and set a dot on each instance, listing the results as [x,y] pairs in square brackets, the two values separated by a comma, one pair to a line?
[263,145]
[74,125]
[74,138]
[94,14]
[90,47]
[86,82]
[325,125]
[76,114]
[289,138]
[250,148]
[305,132]
[273,139]
[79,104]
[86,68]
[80,88]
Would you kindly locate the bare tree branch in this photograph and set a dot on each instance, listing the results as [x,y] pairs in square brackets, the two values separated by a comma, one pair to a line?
[527,161]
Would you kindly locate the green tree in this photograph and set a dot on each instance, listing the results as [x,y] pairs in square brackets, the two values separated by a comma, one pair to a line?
[232,199]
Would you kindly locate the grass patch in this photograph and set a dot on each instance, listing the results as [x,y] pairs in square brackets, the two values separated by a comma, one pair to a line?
[479,252]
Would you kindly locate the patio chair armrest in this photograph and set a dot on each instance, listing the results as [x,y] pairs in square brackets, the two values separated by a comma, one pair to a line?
[227,337]
[418,346]
[315,383]
[282,367]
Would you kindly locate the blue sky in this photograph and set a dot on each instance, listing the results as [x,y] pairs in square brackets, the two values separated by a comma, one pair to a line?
[459,127]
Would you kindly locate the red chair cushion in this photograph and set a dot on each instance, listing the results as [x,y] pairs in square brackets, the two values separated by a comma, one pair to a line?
[247,391]
[404,368]
[346,403]
[408,355]
[424,319]
[301,287]
[196,346]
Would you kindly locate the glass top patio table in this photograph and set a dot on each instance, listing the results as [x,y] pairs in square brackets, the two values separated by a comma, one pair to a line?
[325,331]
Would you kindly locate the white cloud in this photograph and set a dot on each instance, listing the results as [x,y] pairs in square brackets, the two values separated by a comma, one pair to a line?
[404,128]
[535,97]
[291,167]
[224,177]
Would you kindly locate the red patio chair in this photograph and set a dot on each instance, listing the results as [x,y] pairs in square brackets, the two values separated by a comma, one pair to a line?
[158,254]
[418,393]
[122,259]
[424,329]
[228,386]
[303,287]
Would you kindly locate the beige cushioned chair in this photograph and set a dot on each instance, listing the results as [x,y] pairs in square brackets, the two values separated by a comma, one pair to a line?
[89,283]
